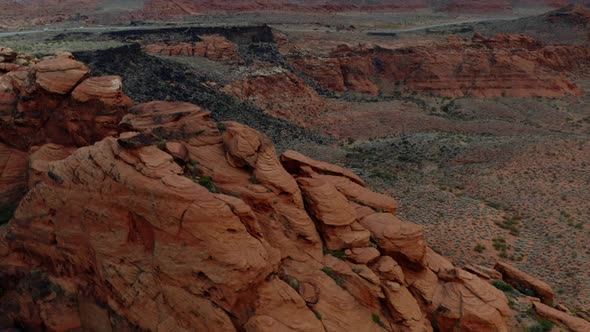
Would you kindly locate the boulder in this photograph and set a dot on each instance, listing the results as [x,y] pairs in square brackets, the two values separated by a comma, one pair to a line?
[574,324]
[106,89]
[327,205]
[362,255]
[396,237]
[60,75]
[526,283]
[293,162]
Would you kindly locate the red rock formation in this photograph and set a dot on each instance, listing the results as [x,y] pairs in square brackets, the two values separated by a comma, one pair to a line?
[505,65]
[212,47]
[219,235]
[54,100]
[525,282]
[280,93]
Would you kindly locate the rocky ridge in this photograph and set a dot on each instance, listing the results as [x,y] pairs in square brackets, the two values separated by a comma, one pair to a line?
[167,220]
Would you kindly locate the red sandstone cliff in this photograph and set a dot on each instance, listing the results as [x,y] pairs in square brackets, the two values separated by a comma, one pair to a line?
[505,65]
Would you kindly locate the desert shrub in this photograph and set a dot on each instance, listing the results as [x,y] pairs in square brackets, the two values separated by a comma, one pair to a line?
[542,325]
[338,253]
[207,182]
[332,274]
[501,285]
[500,244]
[318,315]
[510,224]
[293,282]
[377,320]
[479,248]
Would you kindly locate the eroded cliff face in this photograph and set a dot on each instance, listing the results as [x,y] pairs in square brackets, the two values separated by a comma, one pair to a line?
[505,65]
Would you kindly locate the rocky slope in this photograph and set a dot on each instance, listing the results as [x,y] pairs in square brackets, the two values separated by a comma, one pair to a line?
[170,221]
[504,65]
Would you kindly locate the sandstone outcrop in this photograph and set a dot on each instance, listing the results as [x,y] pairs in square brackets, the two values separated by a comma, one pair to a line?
[526,283]
[60,75]
[180,218]
[504,65]
[212,47]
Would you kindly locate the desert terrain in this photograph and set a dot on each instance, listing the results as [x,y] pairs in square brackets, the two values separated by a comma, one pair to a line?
[472,114]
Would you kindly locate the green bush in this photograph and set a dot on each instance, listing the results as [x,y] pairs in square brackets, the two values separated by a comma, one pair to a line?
[546,325]
[542,325]
[479,248]
[207,182]
[501,285]
[332,274]
[338,253]
[318,315]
